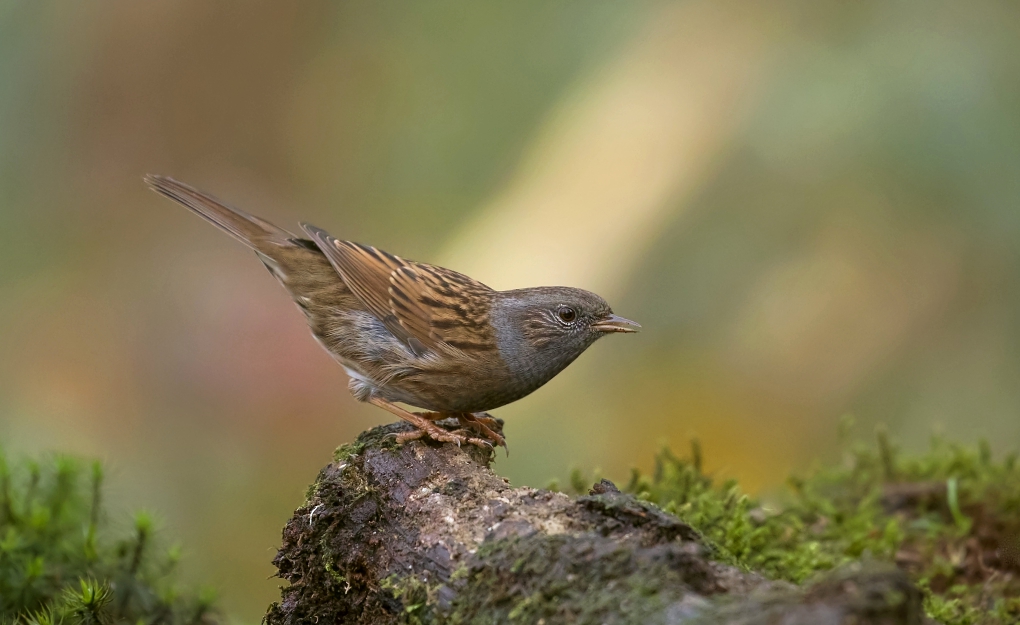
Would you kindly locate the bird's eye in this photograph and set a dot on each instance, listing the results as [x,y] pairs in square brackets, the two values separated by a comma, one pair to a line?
[566,314]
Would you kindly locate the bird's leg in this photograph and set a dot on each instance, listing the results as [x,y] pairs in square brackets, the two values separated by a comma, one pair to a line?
[425,427]
[482,423]
[431,416]
[486,418]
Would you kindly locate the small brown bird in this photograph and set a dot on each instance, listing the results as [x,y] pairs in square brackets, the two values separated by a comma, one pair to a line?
[415,333]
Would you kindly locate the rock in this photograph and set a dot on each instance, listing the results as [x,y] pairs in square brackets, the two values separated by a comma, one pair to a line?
[427,533]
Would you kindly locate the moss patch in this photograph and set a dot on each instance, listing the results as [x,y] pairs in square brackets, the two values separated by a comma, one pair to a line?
[575,579]
[60,564]
[949,517]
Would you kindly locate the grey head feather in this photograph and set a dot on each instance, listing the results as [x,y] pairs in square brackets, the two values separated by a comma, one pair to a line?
[534,337]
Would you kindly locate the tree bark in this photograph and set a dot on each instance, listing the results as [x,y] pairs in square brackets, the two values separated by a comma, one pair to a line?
[427,533]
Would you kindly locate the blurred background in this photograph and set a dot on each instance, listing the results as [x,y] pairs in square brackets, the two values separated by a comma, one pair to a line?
[813,207]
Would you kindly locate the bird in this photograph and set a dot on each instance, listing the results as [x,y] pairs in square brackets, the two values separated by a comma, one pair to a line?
[412,333]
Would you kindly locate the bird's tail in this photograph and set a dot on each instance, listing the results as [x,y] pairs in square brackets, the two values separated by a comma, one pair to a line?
[247,229]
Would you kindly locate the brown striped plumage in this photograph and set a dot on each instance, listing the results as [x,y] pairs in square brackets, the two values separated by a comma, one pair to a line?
[416,333]
[430,308]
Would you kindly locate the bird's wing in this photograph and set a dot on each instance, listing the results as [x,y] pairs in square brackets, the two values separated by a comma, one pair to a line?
[453,308]
[426,307]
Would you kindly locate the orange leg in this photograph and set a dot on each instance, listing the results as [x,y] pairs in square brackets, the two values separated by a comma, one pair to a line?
[425,426]
[431,416]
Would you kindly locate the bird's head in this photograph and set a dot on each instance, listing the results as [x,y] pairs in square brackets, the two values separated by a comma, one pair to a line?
[555,325]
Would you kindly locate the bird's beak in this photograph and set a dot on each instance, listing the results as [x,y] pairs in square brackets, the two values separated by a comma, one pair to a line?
[615,323]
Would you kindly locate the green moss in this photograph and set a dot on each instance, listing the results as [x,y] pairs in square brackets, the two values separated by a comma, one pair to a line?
[344,453]
[965,604]
[347,450]
[60,564]
[416,596]
[338,577]
[950,517]
[565,578]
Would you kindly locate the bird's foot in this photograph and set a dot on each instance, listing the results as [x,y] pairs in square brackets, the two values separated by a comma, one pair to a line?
[484,425]
[479,423]
[426,426]
[430,430]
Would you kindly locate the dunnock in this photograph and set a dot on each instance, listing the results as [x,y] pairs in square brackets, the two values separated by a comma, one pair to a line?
[416,333]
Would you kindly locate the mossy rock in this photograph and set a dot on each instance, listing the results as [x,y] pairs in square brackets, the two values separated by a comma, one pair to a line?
[427,533]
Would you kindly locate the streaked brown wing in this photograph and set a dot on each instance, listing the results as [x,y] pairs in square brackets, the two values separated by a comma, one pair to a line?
[451,307]
[427,307]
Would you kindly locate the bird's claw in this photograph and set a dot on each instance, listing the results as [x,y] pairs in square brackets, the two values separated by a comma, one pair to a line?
[476,429]
[463,436]
[483,424]
[404,437]
[436,433]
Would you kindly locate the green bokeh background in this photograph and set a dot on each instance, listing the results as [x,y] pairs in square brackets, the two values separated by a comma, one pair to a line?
[812,207]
